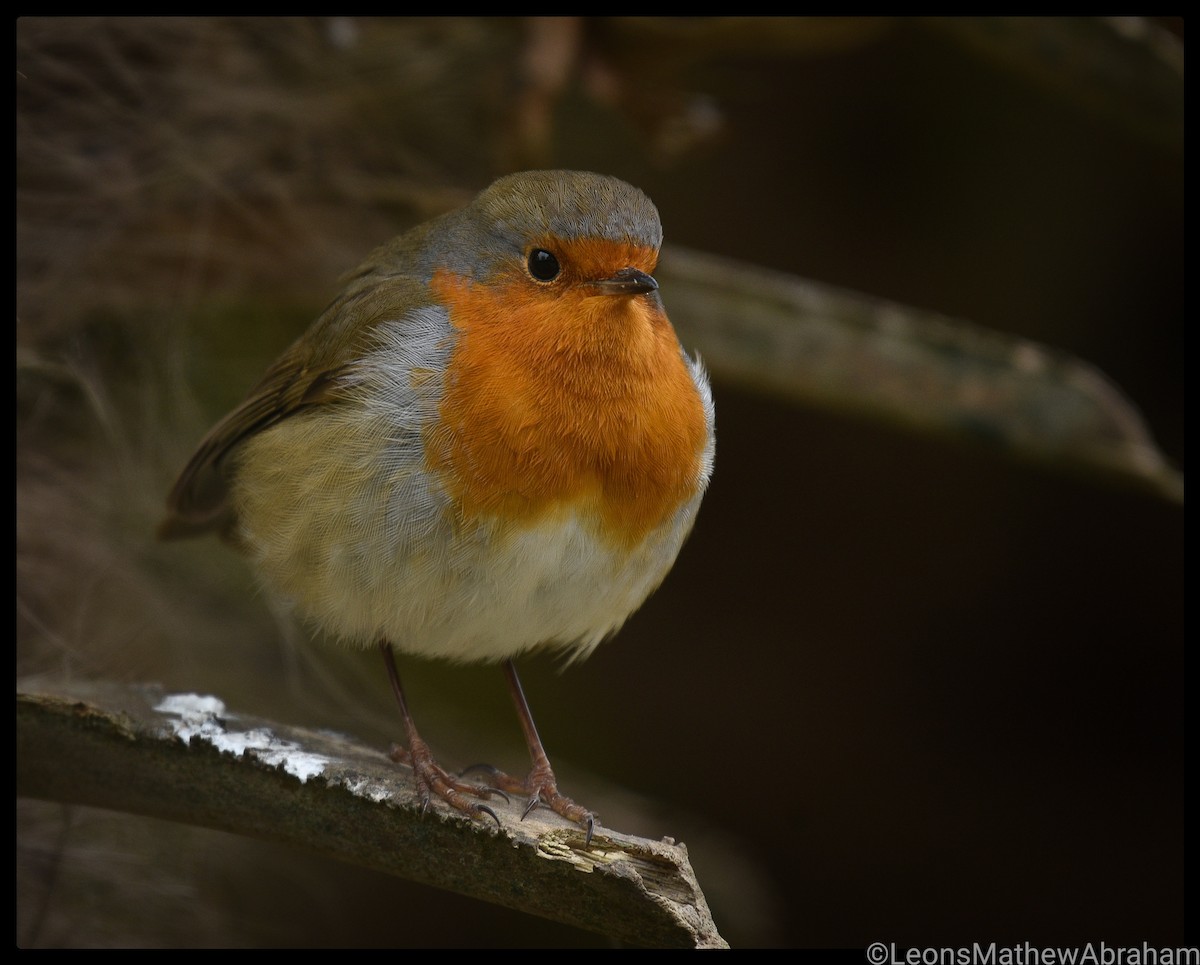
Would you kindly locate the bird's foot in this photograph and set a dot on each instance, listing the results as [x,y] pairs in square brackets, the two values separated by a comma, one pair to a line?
[541,788]
[431,778]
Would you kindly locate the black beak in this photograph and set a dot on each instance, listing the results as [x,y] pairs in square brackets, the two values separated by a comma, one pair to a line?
[628,281]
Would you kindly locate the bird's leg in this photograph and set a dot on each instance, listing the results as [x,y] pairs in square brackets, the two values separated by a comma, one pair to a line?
[540,785]
[430,777]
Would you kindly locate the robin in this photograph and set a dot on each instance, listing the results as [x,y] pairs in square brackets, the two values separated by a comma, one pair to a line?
[490,442]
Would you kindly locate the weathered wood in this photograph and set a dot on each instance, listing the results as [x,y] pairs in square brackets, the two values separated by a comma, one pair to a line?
[185,758]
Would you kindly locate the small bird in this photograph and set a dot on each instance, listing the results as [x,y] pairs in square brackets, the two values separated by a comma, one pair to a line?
[490,442]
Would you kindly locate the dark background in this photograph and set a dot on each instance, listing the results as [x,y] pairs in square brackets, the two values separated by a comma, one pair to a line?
[897,688]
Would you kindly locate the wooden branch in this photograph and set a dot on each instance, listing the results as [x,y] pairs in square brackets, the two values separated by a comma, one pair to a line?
[840,350]
[186,758]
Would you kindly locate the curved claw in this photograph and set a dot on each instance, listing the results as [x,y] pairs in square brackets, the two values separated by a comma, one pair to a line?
[484,809]
[492,772]
[567,808]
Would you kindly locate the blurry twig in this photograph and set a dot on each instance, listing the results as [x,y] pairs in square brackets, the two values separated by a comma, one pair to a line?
[850,352]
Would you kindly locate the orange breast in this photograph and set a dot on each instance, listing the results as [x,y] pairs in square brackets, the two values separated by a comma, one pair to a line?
[560,399]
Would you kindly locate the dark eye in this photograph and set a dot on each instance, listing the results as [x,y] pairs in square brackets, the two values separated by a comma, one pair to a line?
[543,265]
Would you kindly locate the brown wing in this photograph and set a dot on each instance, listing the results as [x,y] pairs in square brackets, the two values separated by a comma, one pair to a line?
[197,501]
[314,371]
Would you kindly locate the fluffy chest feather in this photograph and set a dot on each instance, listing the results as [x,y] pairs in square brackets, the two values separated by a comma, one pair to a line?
[575,403]
[361,516]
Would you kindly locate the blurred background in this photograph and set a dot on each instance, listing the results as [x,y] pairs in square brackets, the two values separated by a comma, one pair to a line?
[897,688]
